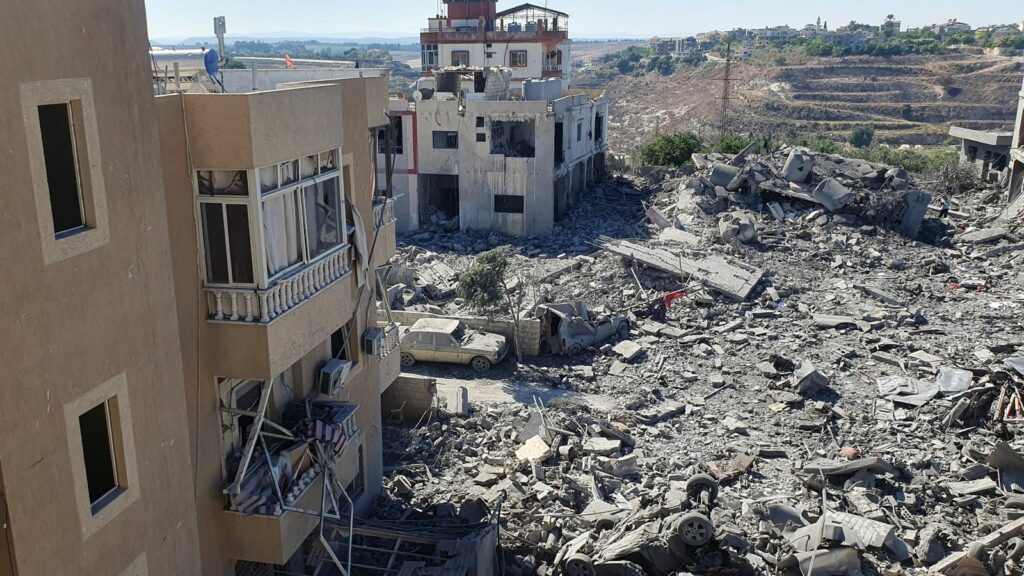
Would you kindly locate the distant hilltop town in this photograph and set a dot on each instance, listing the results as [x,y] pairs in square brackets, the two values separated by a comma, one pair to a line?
[886,39]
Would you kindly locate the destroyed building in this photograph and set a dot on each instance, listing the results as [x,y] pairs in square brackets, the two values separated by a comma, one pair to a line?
[532,41]
[986,152]
[471,152]
[284,364]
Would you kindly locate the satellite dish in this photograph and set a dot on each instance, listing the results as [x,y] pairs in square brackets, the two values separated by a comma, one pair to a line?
[210,59]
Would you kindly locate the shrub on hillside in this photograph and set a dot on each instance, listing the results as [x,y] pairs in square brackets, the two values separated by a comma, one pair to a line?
[671,149]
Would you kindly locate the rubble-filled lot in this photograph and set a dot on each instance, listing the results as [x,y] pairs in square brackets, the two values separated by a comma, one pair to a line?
[859,405]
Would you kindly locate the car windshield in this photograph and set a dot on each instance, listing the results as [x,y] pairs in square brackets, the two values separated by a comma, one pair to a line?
[459,334]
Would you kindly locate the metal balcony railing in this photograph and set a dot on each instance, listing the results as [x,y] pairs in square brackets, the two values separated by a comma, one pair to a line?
[262,306]
[390,341]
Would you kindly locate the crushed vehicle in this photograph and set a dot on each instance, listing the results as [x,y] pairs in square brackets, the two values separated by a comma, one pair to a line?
[571,328]
[449,340]
[655,540]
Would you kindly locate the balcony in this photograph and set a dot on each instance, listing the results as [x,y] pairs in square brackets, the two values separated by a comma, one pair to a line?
[384,246]
[448,35]
[262,306]
[286,488]
[383,212]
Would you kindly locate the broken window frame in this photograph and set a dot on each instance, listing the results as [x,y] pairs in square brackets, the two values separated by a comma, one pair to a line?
[397,141]
[509,204]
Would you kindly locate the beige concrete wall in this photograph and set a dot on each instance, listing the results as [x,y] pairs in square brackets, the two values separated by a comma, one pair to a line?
[409,398]
[104,314]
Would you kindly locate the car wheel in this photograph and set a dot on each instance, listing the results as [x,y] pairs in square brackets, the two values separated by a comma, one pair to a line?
[579,565]
[695,529]
[408,360]
[481,364]
[699,484]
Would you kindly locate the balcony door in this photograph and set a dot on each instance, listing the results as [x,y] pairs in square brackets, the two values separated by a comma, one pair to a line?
[6,547]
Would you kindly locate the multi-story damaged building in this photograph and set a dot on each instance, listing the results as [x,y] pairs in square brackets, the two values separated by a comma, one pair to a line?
[530,40]
[283,359]
[473,151]
[191,347]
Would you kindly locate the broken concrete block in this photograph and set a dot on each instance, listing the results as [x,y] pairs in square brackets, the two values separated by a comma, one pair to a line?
[458,401]
[807,379]
[535,449]
[402,485]
[723,175]
[601,446]
[734,425]
[628,349]
[798,166]
[737,226]
[832,195]
[625,465]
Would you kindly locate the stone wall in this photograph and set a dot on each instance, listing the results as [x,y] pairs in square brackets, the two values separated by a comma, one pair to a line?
[529,338]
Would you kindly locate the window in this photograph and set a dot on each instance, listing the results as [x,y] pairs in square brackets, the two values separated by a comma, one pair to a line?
[341,343]
[101,448]
[460,57]
[357,486]
[428,56]
[517,59]
[224,182]
[480,121]
[64,161]
[324,216]
[56,127]
[227,243]
[98,451]
[481,137]
[972,153]
[507,204]
[599,128]
[446,140]
[579,130]
[397,140]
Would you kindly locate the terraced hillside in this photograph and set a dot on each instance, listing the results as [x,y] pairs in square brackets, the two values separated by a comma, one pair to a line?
[909,100]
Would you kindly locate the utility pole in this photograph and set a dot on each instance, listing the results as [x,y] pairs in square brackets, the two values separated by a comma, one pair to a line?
[726,87]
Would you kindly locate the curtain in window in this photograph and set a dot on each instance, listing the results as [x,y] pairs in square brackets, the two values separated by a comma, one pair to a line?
[323,216]
[280,233]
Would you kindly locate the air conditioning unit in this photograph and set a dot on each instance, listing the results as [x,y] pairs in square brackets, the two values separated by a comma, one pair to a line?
[332,376]
[373,341]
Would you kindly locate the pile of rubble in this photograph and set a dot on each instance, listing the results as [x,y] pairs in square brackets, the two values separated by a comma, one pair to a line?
[856,392]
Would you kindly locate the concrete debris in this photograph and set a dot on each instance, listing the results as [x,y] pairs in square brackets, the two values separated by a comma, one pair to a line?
[854,376]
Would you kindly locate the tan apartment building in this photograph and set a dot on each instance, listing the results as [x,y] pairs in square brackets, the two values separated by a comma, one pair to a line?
[94,444]
[193,366]
[277,234]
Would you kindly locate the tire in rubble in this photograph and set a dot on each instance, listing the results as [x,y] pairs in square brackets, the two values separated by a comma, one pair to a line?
[1016,547]
[699,484]
[408,360]
[976,550]
[481,364]
[579,565]
[695,529]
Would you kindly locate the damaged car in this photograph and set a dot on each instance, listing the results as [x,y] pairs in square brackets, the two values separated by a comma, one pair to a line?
[569,329]
[657,541]
[448,340]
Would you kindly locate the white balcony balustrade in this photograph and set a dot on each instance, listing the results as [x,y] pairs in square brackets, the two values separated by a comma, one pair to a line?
[262,306]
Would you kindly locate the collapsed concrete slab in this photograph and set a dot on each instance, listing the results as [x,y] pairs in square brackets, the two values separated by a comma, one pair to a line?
[720,273]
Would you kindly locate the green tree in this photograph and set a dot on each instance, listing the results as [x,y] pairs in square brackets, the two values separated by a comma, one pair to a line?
[232,64]
[862,136]
[671,149]
[487,286]
[731,144]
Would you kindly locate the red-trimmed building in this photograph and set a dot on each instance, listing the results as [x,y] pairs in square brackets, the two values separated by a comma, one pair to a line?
[531,40]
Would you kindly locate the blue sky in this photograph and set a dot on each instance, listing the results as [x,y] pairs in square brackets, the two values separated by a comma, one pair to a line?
[589,18]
